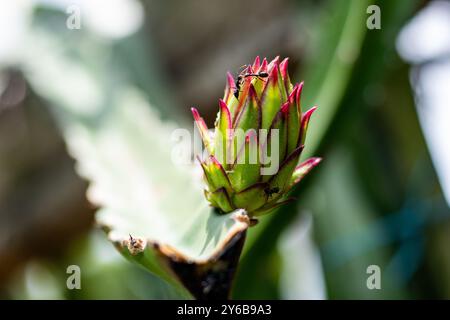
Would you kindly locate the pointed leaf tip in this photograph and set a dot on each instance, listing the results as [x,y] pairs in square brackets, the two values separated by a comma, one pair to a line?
[256,63]
[302,170]
[304,124]
[203,130]
[312,110]
[216,175]
[225,112]
[273,75]
[274,62]
[263,67]
[195,113]
[284,67]
[307,115]
[222,104]
[293,94]
[298,95]
[229,88]
[230,80]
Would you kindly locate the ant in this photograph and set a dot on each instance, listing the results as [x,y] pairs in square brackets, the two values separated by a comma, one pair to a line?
[240,78]
[132,241]
[270,191]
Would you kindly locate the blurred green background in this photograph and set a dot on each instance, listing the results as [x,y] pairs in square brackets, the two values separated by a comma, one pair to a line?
[380,197]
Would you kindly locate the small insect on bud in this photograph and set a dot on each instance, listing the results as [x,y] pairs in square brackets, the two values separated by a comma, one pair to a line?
[135,245]
[241,76]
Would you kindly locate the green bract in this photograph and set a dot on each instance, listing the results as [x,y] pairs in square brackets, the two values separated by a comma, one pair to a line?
[258,138]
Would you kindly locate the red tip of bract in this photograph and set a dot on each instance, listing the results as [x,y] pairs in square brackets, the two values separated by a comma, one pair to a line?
[225,112]
[293,94]
[304,168]
[273,76]
[299,93]
[196,114]
[308,114]
[284,68]
[274,62]
[311,162]
[315,161]
[222,105]
[229,88]
[256,64]
[230,80]
[263,67]
[305,120]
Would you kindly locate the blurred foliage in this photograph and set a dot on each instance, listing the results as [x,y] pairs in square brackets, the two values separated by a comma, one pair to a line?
[104,275]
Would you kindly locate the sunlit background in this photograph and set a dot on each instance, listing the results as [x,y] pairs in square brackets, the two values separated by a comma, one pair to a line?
[380,197]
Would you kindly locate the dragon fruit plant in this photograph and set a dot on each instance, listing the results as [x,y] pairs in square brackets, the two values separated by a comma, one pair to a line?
[253,154]
[151,207]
